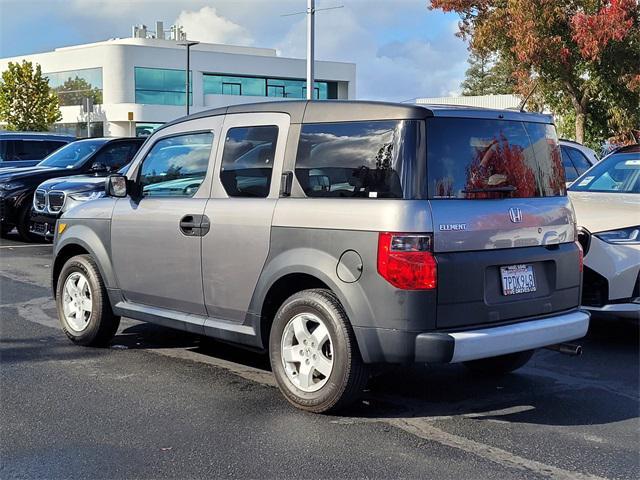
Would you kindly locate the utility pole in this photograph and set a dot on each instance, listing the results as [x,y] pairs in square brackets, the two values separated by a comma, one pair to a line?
[188,44]
[311,33]
[311,12]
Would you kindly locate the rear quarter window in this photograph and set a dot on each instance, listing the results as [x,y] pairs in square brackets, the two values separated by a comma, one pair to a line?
[368,159]
[484,158]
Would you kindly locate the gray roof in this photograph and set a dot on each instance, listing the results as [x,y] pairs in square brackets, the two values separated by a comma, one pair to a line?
[325,111]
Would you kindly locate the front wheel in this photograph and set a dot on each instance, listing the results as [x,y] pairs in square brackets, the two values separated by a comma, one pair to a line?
[313,353]
[24,222]
[496,366]
[83,305]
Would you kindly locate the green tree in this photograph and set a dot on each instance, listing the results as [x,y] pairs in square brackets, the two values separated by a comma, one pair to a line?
[74,90]
[26,101]
[488,76]
[584,55]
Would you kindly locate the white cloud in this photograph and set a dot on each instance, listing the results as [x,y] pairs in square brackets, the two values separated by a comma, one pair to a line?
[397,70]
[206,25]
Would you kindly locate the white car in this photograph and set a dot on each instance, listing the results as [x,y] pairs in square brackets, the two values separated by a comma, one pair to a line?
[606,199]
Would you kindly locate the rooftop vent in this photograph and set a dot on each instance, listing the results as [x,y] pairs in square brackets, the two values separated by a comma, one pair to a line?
[175,32]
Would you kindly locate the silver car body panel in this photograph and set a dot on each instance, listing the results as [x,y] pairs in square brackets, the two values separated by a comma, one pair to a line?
[488,225]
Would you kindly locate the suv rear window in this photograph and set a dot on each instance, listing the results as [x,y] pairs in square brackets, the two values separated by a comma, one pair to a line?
[374,159]
[482,158]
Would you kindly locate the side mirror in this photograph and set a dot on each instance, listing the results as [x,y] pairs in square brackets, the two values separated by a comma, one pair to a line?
[116,186]
[99,167]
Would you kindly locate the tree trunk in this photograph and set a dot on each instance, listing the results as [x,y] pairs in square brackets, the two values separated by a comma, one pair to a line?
[580,121]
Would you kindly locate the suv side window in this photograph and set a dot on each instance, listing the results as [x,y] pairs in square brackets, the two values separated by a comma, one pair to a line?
[116,155]
[247,160]
[30,149]
[176,166]
[579,160]
[370,159]
[570,171]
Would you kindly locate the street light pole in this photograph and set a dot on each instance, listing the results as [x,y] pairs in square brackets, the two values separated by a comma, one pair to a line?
[188,44]
[311,12]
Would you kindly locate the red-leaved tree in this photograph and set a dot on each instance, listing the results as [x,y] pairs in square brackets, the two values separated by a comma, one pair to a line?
[584,55]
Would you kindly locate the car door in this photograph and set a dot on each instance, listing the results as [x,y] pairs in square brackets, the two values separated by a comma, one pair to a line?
[245,190]
[156,238]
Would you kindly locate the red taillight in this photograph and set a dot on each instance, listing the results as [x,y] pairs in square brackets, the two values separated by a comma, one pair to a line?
[405,260]
[580,256]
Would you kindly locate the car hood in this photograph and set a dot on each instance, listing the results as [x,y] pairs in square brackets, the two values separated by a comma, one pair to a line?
[16,173]
[78,183]
[599,212]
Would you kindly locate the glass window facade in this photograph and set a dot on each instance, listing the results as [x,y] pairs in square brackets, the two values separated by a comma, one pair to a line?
[79,130]
[74,85]
[266,87]
[146,129]
[159,86]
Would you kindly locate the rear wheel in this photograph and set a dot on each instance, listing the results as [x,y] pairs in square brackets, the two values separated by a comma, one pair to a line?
[501,365]
[83,305]
[313,353]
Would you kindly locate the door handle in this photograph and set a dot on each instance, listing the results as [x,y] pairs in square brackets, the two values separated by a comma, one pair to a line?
[195,225]
[190,226]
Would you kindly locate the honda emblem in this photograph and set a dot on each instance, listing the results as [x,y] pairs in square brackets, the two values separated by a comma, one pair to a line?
[515,214]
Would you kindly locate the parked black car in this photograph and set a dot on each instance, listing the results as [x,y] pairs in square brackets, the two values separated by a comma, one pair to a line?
[25,149]
[55,196]
[88,156]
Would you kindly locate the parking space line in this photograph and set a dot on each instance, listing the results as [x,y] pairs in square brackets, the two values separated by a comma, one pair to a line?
[422,427]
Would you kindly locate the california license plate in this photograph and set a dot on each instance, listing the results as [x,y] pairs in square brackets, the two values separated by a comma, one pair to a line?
[517,279]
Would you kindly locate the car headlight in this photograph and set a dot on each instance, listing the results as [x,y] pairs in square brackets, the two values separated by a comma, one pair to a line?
[85,196]
[624,236]
[6,186]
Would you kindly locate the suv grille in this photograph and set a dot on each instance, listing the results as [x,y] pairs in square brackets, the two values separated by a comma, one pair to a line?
[56,201]
[39,200]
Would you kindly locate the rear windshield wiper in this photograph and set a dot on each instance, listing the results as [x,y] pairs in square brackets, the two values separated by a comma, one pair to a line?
[505,189]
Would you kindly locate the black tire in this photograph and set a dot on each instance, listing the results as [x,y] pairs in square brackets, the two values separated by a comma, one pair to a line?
[24,221]
[349,374]
[4,230]
[102,324]
[496,366]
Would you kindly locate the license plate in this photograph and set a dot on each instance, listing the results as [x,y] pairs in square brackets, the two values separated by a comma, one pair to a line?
[39,227]
[517,279]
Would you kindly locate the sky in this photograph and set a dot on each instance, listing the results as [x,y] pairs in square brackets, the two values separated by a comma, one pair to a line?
[402,50]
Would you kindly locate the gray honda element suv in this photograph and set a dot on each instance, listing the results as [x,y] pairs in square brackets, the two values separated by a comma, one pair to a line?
[336,236]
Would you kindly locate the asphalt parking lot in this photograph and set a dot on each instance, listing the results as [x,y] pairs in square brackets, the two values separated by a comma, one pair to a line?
[163,404]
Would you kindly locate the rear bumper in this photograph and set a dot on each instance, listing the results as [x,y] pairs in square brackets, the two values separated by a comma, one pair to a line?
[396,346]
[491,342]
[629,310]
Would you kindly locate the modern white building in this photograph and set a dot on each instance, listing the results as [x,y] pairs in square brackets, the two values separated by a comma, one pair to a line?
[139,83]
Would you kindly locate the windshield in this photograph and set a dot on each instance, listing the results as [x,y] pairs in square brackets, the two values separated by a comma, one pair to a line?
[619,172]
[72,155]
[472,158]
